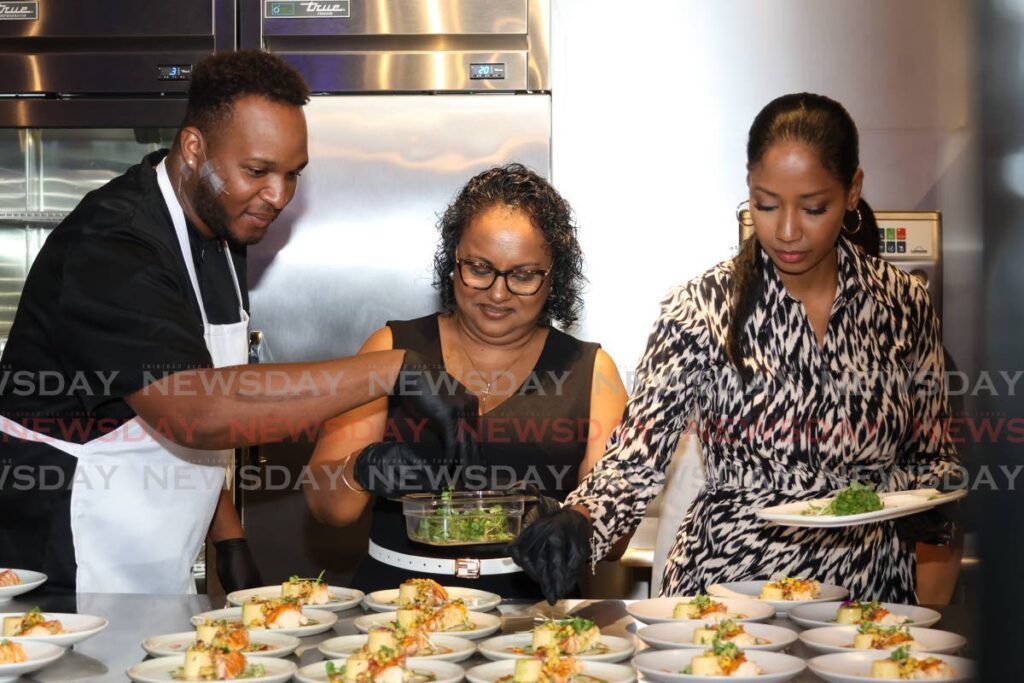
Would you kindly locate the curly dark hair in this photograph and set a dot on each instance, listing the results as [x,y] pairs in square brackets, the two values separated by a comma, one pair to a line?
[221,79]
[518,187]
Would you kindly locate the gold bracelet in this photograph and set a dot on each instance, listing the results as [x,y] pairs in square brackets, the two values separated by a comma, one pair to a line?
[344,480]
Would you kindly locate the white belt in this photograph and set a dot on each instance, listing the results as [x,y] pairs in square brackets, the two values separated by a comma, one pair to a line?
[467,568]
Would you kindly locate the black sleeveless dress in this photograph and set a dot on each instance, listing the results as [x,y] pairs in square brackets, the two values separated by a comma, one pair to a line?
[539,434]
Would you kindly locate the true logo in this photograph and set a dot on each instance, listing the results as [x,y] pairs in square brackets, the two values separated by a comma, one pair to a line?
[319,8]
[23,11]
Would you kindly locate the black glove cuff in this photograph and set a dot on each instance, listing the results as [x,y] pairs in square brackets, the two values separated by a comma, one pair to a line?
[236,568]
[391,469]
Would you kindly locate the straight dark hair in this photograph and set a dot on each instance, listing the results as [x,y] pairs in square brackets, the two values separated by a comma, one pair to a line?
[825,126]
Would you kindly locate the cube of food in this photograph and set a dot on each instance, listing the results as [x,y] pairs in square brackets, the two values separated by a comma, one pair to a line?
[12,625]
[566,636]
[252,614]
[545,635]
[885,668]
[770,592]
[849,612]
[426,592]
[357,665]
[724,659]
[528,671]
[207,631]
[291,588]
[685,610]
[410,617]
[704,636]
[706,665]
[381,637]
[864,641]
[198,663]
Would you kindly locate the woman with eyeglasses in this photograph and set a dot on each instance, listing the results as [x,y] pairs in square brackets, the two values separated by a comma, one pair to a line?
[804,364]
[508,266]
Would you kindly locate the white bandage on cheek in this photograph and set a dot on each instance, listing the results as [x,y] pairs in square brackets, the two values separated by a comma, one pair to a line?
[209,174]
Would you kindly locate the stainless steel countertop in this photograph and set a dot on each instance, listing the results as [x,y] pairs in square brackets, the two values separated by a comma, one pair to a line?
[133,618]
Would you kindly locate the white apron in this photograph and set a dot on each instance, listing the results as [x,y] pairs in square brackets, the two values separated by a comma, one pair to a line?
[140,504]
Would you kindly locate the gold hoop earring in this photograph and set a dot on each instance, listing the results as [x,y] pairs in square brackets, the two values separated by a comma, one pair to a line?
[739,214]
[860,222]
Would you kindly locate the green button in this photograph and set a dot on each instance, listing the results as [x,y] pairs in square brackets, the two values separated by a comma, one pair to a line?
[890,233]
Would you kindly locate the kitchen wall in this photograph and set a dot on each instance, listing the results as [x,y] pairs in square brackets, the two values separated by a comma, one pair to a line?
[652,102]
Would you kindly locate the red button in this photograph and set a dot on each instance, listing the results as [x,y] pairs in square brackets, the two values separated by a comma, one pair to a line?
[901,233]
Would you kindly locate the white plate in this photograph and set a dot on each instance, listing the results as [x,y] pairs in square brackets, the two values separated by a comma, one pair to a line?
[855,667]
[29,580]
[670,636]
[345,598]
[840,639]
[476,600]
[39,655]
[324,621]
[485,624]
[824,614]
[281,645]
[659,610]
[751,590]
[612,673]
[78,627]
[663,666]
[446,672]
[343,646]
[160,670]
[896,504]
[497,648]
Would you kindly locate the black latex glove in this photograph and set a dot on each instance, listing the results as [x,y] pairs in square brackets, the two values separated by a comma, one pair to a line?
[236,568]
[552,551]
[449,414]
[936,526]
[427,393]
[543,505]
[394,469]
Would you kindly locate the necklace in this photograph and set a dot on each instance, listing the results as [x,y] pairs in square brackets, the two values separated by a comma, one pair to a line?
[486,393]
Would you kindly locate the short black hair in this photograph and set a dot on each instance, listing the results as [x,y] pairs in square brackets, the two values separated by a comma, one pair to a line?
[518,187]
[219,80]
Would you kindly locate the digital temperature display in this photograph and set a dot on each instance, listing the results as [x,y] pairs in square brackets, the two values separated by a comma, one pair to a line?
[174,72]
[486,72]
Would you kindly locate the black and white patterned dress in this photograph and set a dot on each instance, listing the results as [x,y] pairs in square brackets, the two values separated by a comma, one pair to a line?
[868,405]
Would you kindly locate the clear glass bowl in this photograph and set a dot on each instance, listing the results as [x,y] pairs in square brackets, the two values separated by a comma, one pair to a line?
[463,517]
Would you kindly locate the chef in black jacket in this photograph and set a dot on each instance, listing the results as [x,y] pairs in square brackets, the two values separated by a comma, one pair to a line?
[122,393]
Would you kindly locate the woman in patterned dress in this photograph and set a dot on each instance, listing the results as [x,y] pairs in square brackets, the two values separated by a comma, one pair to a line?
[805,365]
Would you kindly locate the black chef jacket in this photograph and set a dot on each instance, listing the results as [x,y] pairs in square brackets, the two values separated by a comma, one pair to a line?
[107,308]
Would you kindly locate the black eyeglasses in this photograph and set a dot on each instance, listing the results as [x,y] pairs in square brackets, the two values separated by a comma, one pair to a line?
[519,281]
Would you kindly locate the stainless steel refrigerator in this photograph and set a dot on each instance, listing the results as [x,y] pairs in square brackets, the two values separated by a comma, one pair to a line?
[412,98]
